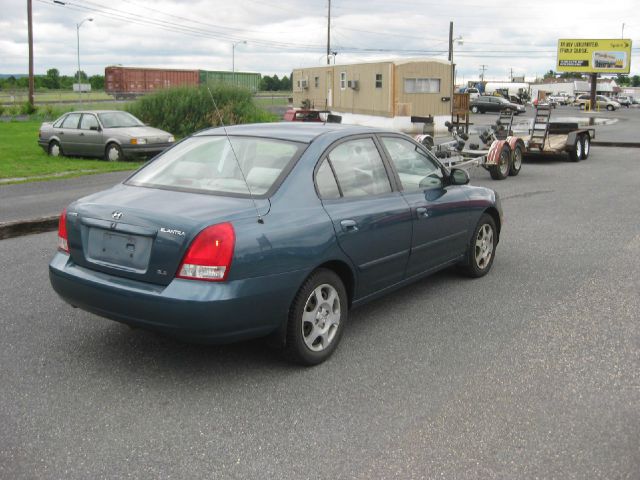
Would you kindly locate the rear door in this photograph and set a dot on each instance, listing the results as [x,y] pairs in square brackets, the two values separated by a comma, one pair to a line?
[439,212]
[372,221]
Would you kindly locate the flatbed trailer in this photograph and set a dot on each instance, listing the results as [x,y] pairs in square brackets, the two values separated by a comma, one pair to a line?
[562,137]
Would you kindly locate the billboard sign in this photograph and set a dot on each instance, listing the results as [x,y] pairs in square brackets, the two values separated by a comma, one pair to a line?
[598,56]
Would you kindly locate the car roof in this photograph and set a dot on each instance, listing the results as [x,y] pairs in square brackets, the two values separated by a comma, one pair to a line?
[295,131]
[98,111]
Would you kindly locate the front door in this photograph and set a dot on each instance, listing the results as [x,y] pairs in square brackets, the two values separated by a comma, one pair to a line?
[439,212]
[90,141]
[372,222]
[68,134]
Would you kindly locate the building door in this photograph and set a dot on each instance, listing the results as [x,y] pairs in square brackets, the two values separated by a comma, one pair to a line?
[329,89]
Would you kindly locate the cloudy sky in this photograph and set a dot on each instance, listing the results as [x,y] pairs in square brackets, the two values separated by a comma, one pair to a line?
[281,35]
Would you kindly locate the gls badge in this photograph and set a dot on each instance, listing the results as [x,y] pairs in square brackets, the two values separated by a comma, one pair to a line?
[172,231]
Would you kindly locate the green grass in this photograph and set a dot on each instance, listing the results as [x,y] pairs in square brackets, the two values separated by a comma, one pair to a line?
[21,157]
[21,96]
[263,102]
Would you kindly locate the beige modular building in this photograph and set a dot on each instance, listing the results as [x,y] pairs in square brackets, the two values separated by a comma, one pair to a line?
[365,93]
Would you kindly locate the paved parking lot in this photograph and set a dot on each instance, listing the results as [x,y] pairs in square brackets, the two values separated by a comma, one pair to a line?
[530,372]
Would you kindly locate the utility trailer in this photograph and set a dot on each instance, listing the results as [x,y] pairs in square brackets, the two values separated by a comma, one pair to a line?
[555,138]
[502,156]
[503,151]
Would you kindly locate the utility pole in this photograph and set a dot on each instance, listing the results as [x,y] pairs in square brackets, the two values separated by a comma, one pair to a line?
[329,33]
[452,67]
[511,74]
[30,24]
[482,68]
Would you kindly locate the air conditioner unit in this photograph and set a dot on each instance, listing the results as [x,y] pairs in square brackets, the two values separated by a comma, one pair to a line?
[353,84]
[304,83]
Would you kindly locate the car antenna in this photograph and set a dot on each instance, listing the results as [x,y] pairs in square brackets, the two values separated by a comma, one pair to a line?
[255,205]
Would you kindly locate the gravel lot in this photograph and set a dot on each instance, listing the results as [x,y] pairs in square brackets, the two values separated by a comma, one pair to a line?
[530,372]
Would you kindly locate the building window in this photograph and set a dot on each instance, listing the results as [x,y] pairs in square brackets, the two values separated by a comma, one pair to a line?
[343,80]
[378,80]
[316,82]
[421,85]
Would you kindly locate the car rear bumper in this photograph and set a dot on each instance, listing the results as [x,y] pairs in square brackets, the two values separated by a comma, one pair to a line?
[204,312]
[146,150]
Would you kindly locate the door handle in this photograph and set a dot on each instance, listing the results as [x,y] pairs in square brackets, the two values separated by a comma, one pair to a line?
[349,225]
[81,134]
[422,212]
[60,133]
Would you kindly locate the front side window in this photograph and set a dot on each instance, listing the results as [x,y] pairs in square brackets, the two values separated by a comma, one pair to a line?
[415,169]
[71,121]
[421,85]
[359,169]
[343,80]
[209,164]
[88,121]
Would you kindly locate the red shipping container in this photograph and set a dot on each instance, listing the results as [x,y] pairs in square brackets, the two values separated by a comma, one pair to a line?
[129,82]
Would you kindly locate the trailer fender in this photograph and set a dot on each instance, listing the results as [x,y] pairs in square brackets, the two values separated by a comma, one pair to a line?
[493,156]
[513,141]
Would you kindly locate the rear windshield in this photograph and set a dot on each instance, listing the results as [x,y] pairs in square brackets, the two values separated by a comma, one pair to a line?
[214,164]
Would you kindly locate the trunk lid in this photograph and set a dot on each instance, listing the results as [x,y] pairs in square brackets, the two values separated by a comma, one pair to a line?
[142,233]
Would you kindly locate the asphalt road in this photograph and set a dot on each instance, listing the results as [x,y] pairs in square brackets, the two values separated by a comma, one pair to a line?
[530,372]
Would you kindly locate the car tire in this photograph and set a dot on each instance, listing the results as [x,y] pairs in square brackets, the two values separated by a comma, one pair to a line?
[501,171]
[113,153]
[474,109]
[55,150]
[611,108]
[586,146]
[316,320]
[482,248]
[575,154]
[516,160]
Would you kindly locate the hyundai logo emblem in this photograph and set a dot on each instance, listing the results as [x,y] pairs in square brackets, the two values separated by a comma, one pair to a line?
[117,215]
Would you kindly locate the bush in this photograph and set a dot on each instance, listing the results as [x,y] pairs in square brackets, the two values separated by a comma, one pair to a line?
[1,109]
[12,111]
[184,110]
[27,109]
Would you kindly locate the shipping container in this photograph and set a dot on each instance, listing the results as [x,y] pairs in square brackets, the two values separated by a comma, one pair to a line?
[248,80]
[130,82]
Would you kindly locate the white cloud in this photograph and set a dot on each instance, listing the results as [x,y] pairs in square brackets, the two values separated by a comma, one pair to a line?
[285,34]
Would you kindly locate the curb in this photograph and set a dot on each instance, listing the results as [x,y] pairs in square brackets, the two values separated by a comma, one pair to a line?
[27,227]
[616,144]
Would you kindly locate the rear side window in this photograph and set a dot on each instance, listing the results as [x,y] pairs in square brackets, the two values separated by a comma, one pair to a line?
[71,121]
[234,165]
[326,182]
[359,168]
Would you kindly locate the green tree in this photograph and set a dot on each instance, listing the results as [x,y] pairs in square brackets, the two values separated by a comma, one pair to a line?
[635,81]
[285,84]
[550,74]
[97,82]
[52,79]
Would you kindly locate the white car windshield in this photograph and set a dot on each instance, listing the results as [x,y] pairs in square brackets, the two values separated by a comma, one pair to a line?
[119,120]
[210,164]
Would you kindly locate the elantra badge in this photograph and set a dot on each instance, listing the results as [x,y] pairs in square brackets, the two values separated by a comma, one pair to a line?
[117,215]
[172,231]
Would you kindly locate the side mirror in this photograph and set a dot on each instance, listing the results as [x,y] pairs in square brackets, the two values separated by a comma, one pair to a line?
[459,176]
[95,127]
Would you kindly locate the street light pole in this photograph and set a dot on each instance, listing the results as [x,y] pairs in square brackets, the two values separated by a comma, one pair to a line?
[233,58]
[78,25]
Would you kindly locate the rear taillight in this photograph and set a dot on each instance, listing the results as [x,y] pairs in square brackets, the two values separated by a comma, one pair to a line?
[209,255]
[63,244]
